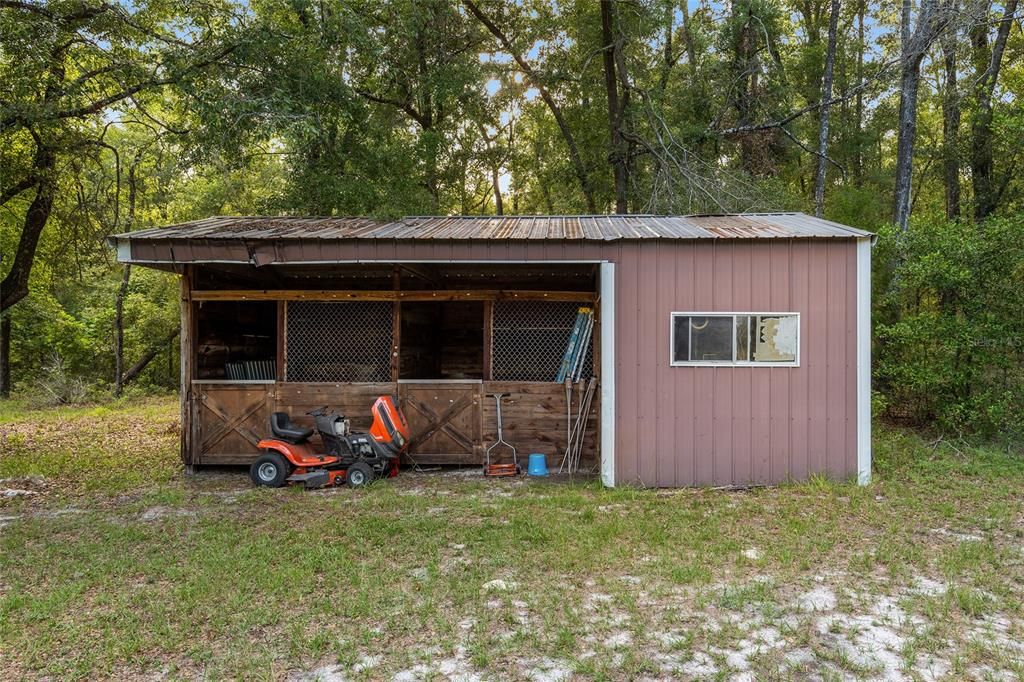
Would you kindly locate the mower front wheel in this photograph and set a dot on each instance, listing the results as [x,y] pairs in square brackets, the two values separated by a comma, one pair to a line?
[270,470]
[358,475]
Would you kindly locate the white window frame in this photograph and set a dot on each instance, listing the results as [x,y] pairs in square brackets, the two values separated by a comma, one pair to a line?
[728,363]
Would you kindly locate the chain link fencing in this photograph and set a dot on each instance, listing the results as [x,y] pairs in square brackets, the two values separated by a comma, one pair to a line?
[339,341]
[530,338]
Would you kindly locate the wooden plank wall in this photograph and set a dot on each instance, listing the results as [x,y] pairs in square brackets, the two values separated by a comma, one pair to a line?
[231,417]
[534,417]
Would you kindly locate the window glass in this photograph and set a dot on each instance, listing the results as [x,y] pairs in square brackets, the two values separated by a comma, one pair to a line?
[711,339]
[775,339]
[733,338]
[680,338]
[742,338]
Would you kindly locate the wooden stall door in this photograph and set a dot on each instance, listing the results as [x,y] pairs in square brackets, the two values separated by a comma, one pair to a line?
[444,420]
[231,420]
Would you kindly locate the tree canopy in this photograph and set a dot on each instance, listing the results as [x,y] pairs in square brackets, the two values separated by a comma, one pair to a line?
[117,115]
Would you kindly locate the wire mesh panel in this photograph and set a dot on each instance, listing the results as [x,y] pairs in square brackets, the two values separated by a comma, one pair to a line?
[339,341]
[530,338]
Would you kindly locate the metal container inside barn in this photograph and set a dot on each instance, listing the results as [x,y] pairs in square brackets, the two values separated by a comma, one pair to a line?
[727,349]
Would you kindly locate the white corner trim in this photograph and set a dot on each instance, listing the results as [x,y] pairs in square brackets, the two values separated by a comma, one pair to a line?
[608,374]
[124,251]
[863,361]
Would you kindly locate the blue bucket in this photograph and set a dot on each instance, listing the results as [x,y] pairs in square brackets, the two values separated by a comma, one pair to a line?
[538,465]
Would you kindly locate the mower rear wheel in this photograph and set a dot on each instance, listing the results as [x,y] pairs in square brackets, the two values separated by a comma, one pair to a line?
[359,474]
[270,470]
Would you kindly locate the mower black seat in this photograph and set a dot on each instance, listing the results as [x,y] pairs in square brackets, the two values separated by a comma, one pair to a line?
[281,426]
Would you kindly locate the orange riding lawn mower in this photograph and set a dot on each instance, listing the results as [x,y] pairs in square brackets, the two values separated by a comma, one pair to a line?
[347,457]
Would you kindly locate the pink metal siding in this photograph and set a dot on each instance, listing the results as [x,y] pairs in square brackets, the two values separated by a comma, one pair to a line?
[680,426]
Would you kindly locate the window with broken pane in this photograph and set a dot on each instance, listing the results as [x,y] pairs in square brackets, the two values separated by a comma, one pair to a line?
[735,338]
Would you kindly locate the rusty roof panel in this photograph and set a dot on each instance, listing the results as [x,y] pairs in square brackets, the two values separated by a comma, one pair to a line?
[572,227]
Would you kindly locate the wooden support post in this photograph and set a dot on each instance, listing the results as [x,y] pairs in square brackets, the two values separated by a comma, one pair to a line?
[187,371]
[282,312]
[396,325]
[488,339]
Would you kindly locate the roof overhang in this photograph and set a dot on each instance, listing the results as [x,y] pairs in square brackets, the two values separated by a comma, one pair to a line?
[261,241]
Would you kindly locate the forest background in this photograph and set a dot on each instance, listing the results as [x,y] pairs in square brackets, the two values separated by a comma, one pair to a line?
[905,119]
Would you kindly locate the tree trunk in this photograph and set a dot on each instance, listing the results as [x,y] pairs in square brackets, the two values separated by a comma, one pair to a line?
[122,291]
[617,157]
[826,97]
[15,284]
[691,49]
[556,112]
[988,65]
[667,58]
[5,356]
[915,43]
[859,105]
[136,369]
[910,81]
[746,89]
[495,177]
[951,128]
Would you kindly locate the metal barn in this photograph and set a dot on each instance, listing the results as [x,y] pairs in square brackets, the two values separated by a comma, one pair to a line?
[725,349]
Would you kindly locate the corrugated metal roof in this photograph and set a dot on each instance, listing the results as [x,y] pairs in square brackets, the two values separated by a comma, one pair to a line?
[569,227]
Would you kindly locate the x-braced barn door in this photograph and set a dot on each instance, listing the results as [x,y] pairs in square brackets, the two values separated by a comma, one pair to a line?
[232,420]
[444,420]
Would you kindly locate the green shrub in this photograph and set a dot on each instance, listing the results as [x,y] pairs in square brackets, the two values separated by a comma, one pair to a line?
[949,334]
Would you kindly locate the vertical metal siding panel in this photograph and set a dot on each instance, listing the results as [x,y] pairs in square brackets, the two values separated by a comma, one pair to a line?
[836,359]
[780,376]
[333,251]
[406,250]
[760,378]
[487,250]
[740,411]
[721,420]
[365,249]
[183,250]
[704,377]
[498,251]
[799,383]
[575,250]
[647,363]
[683,385]
[666,376]
[466,251]
[541,250]
[627,299]
[850,303]
[816,345]
[434,248]
[516,251]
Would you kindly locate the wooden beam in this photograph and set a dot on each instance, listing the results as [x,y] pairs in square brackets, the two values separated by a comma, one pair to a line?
[428,273]
[396,325]
[355,295]
[187,355]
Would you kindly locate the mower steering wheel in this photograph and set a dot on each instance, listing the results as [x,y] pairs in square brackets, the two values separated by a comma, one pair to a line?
[318,412]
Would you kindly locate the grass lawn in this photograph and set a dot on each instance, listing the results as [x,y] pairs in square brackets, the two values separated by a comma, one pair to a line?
[116,565]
